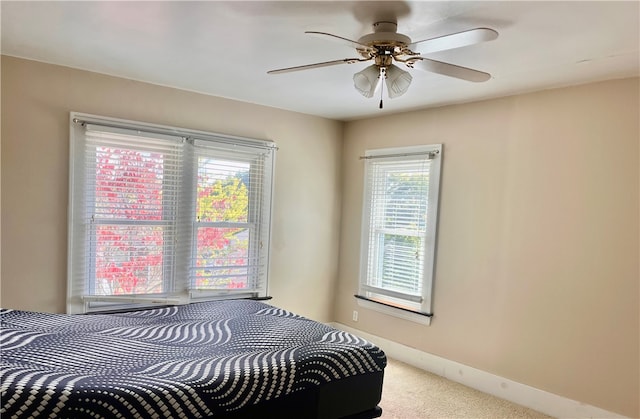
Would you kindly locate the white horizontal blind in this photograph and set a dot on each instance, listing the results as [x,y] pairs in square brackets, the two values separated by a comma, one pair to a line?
[132,187]
[397,226]
[231,225]
[398,222]
[160,215]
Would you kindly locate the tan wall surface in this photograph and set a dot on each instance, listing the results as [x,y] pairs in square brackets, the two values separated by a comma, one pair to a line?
[537,265]
[36,101]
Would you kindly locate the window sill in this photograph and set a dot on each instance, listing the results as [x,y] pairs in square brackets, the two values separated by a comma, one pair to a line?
[404,314]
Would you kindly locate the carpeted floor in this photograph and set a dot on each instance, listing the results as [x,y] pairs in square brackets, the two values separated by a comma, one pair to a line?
[411,393]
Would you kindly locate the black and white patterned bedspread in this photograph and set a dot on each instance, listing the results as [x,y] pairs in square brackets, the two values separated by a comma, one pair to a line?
[191,361]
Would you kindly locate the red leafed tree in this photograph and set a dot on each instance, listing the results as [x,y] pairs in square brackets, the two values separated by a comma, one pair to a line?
[129,234]
[129,225]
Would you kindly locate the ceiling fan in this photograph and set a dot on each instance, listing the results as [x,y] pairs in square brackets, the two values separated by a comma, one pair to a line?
[385,45]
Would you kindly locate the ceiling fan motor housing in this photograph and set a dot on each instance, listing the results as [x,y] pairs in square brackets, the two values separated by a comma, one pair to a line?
[386,42]
[385,34]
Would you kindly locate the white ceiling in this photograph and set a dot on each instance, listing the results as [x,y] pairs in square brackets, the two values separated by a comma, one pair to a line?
[226,48]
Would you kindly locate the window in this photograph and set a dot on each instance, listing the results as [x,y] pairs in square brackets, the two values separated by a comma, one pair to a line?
[160,215]
[399,230]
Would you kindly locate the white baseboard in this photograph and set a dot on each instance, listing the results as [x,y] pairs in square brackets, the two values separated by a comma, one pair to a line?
[524,395]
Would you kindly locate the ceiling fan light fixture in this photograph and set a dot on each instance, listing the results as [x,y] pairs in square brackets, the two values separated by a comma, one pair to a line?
[367,81]
[398,81]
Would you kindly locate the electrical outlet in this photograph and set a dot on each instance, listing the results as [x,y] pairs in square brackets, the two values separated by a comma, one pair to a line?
[355,316]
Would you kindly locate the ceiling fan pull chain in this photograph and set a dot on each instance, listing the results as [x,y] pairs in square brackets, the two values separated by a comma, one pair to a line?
[381,85]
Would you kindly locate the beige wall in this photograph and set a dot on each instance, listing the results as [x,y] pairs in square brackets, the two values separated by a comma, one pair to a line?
[537,265]
[36,101]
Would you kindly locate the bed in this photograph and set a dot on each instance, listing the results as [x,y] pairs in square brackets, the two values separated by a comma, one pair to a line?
[221,359]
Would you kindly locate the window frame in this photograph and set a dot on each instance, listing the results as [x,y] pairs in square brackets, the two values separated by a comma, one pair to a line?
[80,299]
[395,303]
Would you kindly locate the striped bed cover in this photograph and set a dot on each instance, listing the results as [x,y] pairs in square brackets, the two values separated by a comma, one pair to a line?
[192,361]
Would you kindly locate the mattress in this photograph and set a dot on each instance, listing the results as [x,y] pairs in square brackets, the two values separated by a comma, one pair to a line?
[199,360]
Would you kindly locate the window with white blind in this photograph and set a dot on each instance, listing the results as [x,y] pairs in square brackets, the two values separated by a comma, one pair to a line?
[161,215]
[399,230]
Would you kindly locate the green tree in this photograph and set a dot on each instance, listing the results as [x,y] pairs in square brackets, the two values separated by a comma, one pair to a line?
[222,251]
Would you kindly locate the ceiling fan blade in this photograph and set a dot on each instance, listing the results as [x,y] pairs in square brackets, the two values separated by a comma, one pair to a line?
[349,42]
[316,65]
[454,40]
[451,70]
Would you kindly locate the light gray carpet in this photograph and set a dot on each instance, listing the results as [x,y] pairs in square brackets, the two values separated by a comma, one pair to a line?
[411,393]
